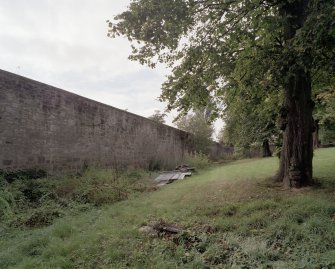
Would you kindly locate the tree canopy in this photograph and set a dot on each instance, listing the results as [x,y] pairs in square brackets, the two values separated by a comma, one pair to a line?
[251,118]
[215,45]
[219,46]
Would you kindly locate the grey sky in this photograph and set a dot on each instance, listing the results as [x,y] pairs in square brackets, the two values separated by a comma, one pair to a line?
[64,43]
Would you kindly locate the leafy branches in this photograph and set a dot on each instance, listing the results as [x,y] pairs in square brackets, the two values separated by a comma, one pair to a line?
[218,48]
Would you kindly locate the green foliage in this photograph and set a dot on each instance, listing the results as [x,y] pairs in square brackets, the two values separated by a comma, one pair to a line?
[38,202]
[24,174]
[325,114]
[199,126]
[7,202]
[158,117]
[216,48]
[251,117]
[5,209]
[227,45]
[231,216]
[42,215]
[198,160]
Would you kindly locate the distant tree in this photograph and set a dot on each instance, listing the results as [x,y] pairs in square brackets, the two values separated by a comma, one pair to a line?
[251,118]
[198,124]
[158,116]
[325,117]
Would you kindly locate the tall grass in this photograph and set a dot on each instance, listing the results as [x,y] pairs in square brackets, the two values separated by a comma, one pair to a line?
[37,202]
[232,216]
[197,160]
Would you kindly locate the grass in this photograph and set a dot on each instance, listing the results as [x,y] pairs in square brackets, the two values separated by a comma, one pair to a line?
[27,201]
[232,217]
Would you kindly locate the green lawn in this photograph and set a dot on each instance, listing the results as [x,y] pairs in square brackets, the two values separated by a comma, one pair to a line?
[232,217]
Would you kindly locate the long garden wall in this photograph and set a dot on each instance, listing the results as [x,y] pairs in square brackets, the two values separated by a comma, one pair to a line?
[48,128]
[43,127]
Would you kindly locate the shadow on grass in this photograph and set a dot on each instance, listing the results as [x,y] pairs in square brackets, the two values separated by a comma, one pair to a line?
[320,183]
[323,183]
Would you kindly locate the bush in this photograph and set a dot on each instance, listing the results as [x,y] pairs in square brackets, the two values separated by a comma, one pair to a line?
[240,153]
[5,210]
[22,174]
[43,215]
[198,160]
[35,202]
[102,186]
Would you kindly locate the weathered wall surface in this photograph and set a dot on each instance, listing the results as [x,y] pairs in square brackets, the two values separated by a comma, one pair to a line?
[48,128]
[220,151]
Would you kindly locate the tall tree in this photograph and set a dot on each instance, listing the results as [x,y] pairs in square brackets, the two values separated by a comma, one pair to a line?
[216,46]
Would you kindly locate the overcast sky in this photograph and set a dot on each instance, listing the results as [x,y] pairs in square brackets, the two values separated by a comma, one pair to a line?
[64,43]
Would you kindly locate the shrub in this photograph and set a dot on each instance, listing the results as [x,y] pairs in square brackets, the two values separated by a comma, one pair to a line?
[102,186]
[36,202]
[239,153]
[198,160]
[43,215]
[22,174]
[5,210]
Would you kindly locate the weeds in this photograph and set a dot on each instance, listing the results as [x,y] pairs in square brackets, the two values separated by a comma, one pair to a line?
[37,202]
[198,160]
[229,219]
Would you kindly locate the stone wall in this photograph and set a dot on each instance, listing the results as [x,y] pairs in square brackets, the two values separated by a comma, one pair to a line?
[48,128]
[220,151]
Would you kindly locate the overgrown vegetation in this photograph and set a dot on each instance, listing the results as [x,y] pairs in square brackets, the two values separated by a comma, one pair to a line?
[198,124]
[158,116]
[30,199]
[232,216]
[247,56]
[325,114]
[251,121]
[198,160]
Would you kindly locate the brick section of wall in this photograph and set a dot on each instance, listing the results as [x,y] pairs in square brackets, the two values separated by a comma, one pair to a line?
[48,128]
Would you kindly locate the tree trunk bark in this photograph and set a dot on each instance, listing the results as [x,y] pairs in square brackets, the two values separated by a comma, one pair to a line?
[297,151]
[266,148]
[296,114]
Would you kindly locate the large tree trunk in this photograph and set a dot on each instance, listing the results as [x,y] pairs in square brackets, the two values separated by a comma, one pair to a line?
[296,114]
[297,151]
